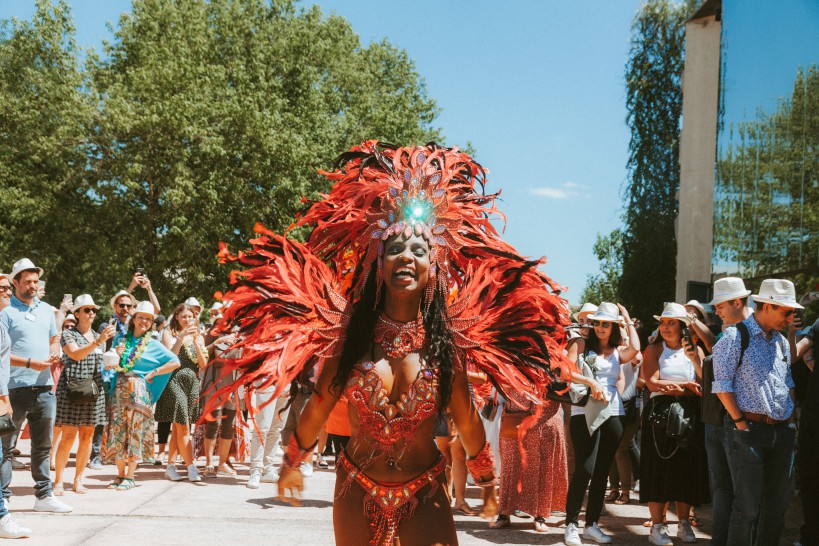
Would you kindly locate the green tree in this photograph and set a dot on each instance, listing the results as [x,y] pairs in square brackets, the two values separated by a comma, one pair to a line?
[217,114]
[44,119]
[604,285]
[654,106]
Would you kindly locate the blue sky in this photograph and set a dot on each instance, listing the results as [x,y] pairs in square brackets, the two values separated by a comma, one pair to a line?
[535,86]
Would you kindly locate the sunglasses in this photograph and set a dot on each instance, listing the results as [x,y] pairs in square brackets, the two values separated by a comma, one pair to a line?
[124,305]
[89,310]
[600,323]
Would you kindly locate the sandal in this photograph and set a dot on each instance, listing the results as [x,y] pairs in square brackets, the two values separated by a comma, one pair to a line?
[225,471]
[624,498]
[540,525]
[79,488]
[465,509]
[209,472]
[115,483]
[127,483]
[501,523]
[649,523]
[58,490]
[695,521]
[613,496]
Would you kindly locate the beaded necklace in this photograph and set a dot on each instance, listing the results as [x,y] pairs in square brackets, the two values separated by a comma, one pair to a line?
[134,347]
[398,339]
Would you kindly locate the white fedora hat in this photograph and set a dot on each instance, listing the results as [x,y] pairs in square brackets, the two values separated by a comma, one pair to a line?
[778,292]
[21,265]
[84,300]
[144,308]
[698,306]
[729,288]
[674,311]
[607,312]
[69,316]
[587,309]
[193,302]
[120,294]
[216,306]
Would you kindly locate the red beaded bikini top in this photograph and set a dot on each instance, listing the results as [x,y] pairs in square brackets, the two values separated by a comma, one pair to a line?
[388,422]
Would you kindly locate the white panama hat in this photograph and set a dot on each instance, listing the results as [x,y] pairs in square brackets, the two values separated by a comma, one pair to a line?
[69,316]
[119,295]
[697,305]
[216,306]
[607,312]
[144,308]
[727,289]
[587,309]
[84,300]
[193,302]
[23,264]
[778,292]
[675,311]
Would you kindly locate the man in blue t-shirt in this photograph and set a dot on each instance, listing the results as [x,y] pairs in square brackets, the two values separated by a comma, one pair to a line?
[32,331]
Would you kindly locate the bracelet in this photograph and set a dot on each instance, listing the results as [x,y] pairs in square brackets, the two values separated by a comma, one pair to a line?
[28,363]
[482,467]
[739,420]
[294,455]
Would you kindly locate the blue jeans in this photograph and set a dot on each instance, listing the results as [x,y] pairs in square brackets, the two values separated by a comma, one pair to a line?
[722,486]
[761,461]
[39,405]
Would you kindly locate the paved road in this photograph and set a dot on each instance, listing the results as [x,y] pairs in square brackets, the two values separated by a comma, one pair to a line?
[224,511]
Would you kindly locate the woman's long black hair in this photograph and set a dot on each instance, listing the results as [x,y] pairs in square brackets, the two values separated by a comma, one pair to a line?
[440,351]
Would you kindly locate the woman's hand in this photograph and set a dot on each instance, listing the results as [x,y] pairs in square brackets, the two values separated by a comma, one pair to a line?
[290,480]
[490,503]
[691,350]
[191,330]
[149,377]
[673,389]
[624,312]
[694,387]
[120,349]
[597,390]
[107,333]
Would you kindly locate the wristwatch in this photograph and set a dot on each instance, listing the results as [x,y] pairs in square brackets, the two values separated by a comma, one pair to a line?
[28,363]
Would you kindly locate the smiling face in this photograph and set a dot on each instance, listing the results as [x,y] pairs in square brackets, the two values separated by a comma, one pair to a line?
[406,265]
[670,330]
[142,323]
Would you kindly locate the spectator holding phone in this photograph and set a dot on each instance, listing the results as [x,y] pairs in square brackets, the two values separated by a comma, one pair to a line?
[669,471]
[34,348]
[141,279]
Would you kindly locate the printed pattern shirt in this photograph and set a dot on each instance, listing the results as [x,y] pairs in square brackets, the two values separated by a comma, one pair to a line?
[762,383]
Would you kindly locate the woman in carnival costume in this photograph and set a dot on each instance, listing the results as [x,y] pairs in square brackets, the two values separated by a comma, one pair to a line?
[403,283]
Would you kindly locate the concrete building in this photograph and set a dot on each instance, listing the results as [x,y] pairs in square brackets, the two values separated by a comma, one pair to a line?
[749,146]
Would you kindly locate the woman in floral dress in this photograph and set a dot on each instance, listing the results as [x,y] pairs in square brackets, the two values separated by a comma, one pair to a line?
[141,368]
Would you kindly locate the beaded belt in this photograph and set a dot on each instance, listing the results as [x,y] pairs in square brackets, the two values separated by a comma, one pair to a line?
[386,505]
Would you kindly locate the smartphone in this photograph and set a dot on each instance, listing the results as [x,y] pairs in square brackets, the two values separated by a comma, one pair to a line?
[66,297]
[686,336]
[112,322]
[140,271]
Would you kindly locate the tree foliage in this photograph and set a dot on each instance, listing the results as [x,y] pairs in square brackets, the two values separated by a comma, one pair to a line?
[199,119]
[604,286]
[654,107]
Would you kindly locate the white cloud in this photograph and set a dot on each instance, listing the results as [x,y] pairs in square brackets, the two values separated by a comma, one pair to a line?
[552,193]
[564,191]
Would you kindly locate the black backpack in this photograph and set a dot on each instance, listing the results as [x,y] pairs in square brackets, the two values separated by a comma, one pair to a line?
[713,412]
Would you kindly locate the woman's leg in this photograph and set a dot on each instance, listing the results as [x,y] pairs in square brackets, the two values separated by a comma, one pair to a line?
[173,449]
[121,468]
[432,521]
[63,452]
[131,470]
[622,459]
[226,438]
[683,511]
[211,429]
[657,510]
[182,434]
[55,441]
[585,453]
[459,471]
[610,434]
[163,429]
[83,452]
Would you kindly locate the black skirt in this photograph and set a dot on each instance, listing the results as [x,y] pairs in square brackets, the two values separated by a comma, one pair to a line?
[669,472]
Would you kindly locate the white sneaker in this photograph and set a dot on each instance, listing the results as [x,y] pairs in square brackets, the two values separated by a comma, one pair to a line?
[659,535]
[51,504]
[271,476]
[685,532]
[279,451]
[322,462]
[572,536]
[306,469]
[17,464]
[193,474]
[596,534]
[255,478]
[11,529]
[173,474]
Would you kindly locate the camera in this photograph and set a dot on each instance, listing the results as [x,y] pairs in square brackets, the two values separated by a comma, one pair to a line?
[686,336]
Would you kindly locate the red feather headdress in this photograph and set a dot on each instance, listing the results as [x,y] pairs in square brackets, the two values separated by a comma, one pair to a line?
[292,301]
